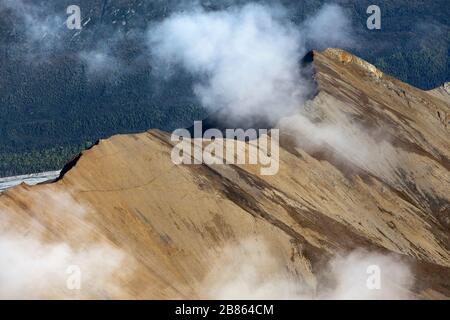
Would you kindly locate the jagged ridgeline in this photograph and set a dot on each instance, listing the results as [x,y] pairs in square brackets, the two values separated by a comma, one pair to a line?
[54,101]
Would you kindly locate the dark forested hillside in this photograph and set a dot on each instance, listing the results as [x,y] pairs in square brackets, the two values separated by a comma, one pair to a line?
[61,90]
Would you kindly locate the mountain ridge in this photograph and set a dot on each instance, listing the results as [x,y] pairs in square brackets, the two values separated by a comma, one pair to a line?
[363,168]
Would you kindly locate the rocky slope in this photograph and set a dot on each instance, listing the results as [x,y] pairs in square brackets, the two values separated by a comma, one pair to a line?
[364,175]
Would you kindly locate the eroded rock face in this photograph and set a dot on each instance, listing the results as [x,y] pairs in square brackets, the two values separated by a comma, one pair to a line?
[364,179]
[347,58]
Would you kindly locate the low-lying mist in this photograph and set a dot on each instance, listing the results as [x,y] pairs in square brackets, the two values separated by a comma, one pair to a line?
[75,264]
[249,269]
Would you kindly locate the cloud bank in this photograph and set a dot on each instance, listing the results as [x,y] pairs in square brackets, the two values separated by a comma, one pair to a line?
[247,59]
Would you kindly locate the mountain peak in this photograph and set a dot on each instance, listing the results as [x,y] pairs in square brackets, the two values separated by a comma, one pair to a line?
[348,58]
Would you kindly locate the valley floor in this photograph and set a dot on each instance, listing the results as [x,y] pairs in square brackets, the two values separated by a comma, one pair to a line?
[30,179]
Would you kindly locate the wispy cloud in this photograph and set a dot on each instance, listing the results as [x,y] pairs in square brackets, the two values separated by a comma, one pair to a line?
[251,270]
[33,265]
[247,58]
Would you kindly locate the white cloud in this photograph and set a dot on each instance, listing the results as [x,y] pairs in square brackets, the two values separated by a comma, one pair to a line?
[330,27]
[34,264]
[250,270]
[247,58]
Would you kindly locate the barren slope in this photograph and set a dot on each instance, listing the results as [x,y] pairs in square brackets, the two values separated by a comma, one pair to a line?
[369,169]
